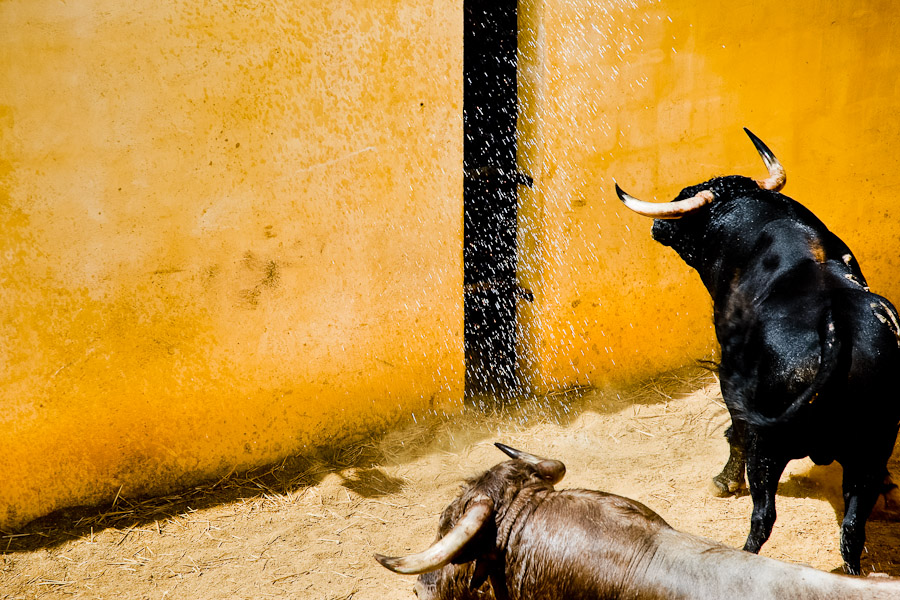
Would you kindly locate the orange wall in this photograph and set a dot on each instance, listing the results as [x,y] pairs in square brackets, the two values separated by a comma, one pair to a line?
[228,231]
[654,94]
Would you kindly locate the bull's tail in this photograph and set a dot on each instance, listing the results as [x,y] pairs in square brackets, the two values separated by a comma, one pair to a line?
[831,349]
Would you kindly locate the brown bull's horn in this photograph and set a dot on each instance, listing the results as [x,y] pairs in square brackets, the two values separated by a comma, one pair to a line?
[549,469]
[666,210]
[777,177]
[520,454]
[445,549]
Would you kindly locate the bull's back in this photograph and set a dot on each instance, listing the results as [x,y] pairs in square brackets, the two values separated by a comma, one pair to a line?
[579,544]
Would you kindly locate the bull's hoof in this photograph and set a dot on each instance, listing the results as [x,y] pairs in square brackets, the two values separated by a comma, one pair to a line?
[723,486]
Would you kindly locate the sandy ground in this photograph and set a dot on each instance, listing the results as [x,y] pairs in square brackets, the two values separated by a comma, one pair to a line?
[307,528]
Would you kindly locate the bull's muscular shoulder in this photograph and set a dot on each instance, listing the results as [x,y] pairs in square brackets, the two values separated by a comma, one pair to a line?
[742,206]
[758,233]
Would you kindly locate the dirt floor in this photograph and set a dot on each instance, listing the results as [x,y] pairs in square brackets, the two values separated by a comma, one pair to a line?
[307,528]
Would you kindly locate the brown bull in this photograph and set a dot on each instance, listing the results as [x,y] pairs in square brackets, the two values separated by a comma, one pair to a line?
[510,535]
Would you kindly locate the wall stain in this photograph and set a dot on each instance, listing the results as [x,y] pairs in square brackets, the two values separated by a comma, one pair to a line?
[269,278]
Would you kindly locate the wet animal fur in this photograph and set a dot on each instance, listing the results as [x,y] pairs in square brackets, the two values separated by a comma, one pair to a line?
[545,544]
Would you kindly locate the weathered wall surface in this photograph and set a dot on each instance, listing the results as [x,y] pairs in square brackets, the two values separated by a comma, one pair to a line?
[654,94]
[228,231]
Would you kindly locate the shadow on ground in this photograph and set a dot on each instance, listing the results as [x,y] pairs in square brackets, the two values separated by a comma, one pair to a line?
[365,466]
[357,463]
[289,476]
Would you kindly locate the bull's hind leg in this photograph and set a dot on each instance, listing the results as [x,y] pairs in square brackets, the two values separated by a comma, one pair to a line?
[860,493]
[763,473]
[731,480]
[887,507]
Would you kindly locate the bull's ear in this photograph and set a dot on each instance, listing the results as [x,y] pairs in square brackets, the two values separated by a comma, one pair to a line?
[551,470]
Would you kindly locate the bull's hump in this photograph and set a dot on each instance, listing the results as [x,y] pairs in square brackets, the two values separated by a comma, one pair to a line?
[602,506]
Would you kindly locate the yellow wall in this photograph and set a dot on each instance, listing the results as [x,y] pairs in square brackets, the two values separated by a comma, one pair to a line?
[228,231]
[654,94]
[232,231]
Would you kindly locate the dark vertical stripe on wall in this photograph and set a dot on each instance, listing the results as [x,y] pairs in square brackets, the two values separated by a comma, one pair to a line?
[490,107]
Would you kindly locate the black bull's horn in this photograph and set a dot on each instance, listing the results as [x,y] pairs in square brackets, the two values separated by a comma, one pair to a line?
[777,177]
[479,511]
[679,208]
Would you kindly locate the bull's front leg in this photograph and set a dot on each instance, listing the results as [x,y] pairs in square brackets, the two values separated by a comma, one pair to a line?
[763,472]
[731,480]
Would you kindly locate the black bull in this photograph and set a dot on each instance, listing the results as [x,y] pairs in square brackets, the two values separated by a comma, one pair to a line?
[809,356]
[509,535]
